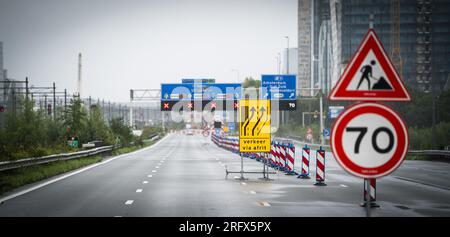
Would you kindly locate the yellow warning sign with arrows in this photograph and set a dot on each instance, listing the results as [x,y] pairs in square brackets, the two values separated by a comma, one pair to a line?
[254,128]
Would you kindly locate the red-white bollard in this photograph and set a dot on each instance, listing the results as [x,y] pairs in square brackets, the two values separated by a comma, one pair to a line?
[283,156]
[373,193]
[272,154]
[290,159]
[277,154]
[305,163]
[320,167]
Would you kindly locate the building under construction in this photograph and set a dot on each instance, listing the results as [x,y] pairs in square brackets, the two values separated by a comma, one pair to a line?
[415,33]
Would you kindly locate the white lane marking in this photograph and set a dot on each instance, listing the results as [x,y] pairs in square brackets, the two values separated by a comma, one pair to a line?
[235,177]
[139,190]
[159,164]
[145,182]
[117,216]
[264,204]
[129,202]
[154,171]
[343,185]
[162,161]
[244,183]
[252,192]
[149,175]
[78,171]
[156,167]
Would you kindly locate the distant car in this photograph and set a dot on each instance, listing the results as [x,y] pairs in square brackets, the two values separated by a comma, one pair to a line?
[190,132]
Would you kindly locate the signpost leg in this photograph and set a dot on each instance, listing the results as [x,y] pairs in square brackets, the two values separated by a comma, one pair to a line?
[242,168]
[368,198]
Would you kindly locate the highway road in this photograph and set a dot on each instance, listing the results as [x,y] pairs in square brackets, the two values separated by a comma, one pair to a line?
[184,176]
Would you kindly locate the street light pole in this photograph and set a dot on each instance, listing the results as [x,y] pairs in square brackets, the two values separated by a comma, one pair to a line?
[287,55]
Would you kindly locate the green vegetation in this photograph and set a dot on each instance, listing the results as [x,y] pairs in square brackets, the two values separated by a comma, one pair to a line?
[32,133]
[12,179]
[15,178]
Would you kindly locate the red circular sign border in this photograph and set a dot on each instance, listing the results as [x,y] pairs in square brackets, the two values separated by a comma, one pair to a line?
[363,108]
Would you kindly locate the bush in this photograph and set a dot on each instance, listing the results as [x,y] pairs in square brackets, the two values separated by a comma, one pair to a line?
[421,138]
[121,131]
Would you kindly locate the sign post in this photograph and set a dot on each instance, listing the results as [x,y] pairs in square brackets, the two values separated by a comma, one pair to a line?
[369,139]
[254,128]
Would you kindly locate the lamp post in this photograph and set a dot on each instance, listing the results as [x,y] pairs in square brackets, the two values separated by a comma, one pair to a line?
[287,55]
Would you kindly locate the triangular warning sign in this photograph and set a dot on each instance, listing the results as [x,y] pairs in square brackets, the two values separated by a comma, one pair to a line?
[370,76]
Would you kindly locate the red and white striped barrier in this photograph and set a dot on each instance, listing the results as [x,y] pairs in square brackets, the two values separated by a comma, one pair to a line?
[283,156]
[304,174]
[373,193]
[278,154]
[320,167]
[290,159]
[273,158]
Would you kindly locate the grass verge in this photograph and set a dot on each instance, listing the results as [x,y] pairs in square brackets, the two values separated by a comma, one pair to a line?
[11,179]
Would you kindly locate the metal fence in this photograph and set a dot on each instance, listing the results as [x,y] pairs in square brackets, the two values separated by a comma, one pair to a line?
[8,165]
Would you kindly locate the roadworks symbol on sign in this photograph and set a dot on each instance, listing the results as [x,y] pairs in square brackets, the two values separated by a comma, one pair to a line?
[370,75]
[254,129]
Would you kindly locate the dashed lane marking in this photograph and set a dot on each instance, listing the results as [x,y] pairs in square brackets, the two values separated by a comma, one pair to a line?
[343,185]
[139,190]
[80,171]
[145,182]
[149,175]
[264,204]
[252,192]
[154,171]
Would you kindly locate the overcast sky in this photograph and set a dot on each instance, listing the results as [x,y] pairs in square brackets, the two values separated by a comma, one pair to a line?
[142,43]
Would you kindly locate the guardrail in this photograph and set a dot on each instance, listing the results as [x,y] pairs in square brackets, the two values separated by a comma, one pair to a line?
[441,153]
[8,165]
[444,153]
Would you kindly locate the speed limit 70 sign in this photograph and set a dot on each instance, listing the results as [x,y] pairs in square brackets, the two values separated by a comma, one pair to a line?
[369,140]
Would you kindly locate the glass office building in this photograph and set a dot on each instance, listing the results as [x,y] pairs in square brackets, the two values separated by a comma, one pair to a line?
[424,37]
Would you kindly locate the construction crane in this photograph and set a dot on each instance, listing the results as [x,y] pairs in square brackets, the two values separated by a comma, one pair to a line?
[395,37]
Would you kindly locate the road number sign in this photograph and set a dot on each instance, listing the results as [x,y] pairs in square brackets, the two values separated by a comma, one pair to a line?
[369,140]
[254,128]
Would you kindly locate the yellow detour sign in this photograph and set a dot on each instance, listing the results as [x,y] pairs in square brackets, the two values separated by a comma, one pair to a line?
[254,128]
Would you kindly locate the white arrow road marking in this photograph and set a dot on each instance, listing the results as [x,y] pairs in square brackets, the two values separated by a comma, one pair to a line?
[129,202]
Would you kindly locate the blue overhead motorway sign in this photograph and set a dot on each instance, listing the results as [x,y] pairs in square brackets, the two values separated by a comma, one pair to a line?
[199,91]
[278,87]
